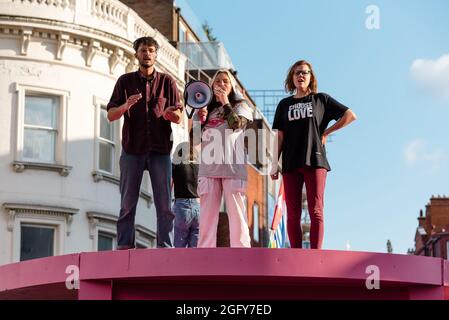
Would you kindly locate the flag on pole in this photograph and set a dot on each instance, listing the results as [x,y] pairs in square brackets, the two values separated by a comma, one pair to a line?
[277,229]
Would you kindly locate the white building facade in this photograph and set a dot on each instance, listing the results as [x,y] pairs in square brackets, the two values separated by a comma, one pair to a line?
[59,173]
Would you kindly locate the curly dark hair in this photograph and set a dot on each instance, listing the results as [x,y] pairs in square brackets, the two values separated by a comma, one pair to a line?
[148,41]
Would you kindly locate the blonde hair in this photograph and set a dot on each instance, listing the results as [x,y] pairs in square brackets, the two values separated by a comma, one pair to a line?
[229,74]
[235,95]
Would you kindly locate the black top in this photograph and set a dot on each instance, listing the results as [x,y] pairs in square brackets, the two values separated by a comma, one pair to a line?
[185,180]
[144,129]
[303,121]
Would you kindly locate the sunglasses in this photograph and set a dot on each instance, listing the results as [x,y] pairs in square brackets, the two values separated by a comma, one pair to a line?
[302,73]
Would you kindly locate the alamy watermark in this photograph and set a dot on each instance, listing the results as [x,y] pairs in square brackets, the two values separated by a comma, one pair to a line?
[373,280]
[258,147]
[372,22]
[73,279]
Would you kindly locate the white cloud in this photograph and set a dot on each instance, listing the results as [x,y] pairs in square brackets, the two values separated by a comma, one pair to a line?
[432,75]
[418,153]
[411,151]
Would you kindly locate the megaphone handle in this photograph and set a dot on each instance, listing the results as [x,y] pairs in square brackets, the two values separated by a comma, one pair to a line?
[190,114]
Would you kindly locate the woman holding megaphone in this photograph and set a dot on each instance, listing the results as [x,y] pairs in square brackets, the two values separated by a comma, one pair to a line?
[222,169]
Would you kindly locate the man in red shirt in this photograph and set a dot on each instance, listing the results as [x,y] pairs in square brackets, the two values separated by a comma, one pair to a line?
[148,100]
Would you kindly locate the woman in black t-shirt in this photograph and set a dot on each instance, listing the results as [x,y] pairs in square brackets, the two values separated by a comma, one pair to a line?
[301,121]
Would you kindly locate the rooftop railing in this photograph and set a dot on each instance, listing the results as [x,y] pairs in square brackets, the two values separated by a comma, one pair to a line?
[206,55]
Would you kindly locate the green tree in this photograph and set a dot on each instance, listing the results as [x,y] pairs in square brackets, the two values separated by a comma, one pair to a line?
[208,30]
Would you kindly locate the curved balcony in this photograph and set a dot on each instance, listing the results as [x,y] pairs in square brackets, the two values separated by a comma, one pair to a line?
[227,273]
[110,20]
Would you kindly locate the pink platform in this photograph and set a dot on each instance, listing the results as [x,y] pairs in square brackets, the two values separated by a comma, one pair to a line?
[227,273]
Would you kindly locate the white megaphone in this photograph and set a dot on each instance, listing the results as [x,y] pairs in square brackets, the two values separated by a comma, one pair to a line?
[197,95]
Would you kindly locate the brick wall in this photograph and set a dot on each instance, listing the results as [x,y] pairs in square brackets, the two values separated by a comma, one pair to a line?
[159,14]
[256,194]
[437,214]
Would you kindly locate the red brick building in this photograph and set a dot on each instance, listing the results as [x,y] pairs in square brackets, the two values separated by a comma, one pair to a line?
[165,17]
[432,234]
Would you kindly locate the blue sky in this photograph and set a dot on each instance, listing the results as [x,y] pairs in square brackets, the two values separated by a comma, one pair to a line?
[388,163]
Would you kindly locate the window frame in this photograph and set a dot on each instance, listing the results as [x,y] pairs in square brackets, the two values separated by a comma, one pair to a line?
[60,152]
[34,224]
[100,104]
[106,232]
[18,213]
[54,130]
[42,220]
[100,222]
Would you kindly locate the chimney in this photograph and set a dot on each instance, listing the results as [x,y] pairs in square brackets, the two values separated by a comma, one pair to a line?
[421,219]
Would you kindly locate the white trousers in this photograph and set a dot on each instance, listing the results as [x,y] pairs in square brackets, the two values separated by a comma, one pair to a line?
[210,191]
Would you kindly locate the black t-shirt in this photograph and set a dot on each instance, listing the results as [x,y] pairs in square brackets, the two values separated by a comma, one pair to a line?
[303,121]
[185,180]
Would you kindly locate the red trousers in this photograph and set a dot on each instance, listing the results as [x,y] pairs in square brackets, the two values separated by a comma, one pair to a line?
[315,180]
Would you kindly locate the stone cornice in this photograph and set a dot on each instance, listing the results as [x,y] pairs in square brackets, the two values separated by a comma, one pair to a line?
[20,166]
[109,22]
[14,209]
[93,42]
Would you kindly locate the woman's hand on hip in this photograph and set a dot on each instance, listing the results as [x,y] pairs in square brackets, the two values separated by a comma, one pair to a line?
[323,139]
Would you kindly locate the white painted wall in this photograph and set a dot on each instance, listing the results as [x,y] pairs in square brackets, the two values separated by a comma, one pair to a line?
[39,68]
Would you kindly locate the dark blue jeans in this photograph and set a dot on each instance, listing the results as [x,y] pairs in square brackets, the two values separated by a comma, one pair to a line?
[131,172]
[187,224]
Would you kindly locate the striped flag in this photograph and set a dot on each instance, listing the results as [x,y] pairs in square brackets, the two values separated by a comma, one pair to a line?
[278,234]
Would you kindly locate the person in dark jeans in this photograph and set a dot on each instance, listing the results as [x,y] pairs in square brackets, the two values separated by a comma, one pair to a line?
[149,101]
[187,203]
